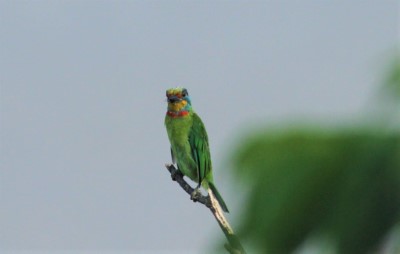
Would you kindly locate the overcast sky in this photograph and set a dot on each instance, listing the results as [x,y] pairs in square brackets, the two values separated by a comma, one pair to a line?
[83,144]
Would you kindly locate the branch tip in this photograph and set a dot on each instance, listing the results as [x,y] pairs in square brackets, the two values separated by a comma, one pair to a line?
[233,246]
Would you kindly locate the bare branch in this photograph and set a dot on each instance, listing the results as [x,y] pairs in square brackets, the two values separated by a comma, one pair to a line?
[233,246]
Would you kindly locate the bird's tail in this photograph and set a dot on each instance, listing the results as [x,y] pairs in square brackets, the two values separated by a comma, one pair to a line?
[218,197]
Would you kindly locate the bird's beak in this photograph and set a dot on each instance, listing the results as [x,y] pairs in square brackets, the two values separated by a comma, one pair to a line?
[173,99]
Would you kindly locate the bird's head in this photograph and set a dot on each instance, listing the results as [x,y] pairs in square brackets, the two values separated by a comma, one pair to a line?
[178,99]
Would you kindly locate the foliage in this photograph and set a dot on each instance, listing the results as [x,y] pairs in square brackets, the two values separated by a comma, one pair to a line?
[340,184]
[344,184]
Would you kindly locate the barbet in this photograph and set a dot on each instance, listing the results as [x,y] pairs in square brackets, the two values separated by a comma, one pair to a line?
[189,142]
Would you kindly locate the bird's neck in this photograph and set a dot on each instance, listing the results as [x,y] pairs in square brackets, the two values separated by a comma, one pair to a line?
[179,110]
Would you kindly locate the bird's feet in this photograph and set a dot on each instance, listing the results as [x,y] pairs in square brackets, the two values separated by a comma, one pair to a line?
[196,194]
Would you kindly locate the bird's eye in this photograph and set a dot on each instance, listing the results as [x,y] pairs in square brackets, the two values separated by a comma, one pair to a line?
[184,93]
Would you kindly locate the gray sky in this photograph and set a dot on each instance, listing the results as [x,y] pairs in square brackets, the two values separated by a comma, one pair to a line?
[83,83]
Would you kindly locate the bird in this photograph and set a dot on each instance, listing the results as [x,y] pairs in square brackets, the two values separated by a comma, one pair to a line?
[189,143]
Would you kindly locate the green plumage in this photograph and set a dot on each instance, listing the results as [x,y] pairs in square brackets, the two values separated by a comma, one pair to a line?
[189,143]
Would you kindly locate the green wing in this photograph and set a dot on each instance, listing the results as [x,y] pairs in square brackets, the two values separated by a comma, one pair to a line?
[199,147]
[201,154]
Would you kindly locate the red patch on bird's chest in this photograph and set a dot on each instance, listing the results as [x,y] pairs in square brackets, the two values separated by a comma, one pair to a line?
[177,114]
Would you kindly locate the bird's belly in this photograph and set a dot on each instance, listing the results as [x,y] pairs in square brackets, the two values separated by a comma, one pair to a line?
[185,161]
[178,132]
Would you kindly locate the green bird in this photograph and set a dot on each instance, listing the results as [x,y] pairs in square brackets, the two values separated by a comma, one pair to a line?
[189,142]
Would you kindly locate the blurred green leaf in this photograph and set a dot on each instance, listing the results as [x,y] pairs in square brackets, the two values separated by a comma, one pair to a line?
[344,184]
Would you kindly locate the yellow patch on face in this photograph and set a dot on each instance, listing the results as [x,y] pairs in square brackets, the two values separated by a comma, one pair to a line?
[177,106]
